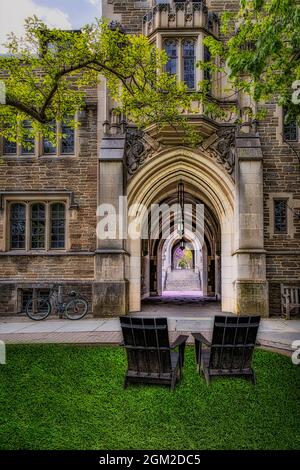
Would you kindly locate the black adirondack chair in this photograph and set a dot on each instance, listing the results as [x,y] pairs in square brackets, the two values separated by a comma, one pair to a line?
[230,351]
[151,358]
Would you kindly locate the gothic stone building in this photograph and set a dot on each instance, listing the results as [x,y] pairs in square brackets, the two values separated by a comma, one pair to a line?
[248,180]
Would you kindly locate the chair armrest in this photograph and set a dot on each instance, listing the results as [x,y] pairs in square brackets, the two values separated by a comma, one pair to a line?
[122,343]
[179,341]
[199,337]
[257,343]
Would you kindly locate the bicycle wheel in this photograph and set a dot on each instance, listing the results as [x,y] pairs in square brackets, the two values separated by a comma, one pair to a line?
[76,309]
[38,309]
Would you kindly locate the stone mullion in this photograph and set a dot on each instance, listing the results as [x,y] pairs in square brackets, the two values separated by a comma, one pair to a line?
[58,138]
[28,227]
[76,135]
[199,56]
[47,226]
[179,60]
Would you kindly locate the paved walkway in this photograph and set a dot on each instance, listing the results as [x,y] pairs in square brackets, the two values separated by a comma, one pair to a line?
[184,318]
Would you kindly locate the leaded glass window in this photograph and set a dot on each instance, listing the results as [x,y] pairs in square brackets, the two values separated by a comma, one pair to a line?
[280,216]
[290,129]
[188,55]
[28,294]
[28,148]
[57,228]
[49,148]
[9,148]
[171,50]
[38,224]
[210,23]
[67,141]
[17,226]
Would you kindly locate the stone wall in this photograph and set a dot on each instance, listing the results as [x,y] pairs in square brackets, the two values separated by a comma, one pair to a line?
[130,13]
[8,298]
[223,5]
[76,174]
[281,169]
[11,294]
[281,172]
[35,267]
[282,177]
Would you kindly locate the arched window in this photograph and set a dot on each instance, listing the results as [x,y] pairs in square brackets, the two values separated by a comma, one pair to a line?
[38,223]
[17,226]
[188,55]
[171,50]
[57,225]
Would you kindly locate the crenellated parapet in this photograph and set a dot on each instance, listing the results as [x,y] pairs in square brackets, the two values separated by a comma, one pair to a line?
[170,14]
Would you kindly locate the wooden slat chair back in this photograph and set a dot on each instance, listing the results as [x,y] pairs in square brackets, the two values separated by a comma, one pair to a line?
[290,300]
[147,344]
[233,342]
[231,349]
[148,350]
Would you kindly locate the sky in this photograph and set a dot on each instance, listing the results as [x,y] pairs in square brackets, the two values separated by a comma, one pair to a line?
[65,14]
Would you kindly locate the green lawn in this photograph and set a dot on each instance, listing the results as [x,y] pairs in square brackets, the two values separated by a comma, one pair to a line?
[72,397]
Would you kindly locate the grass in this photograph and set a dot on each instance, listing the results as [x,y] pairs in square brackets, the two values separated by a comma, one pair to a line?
[72,397]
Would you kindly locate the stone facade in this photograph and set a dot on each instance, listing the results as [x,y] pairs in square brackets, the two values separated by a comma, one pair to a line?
[39,178]
[281,164]
[237,175]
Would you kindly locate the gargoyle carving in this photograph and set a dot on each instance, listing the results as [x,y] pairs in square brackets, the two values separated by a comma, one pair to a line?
[139,146]
[221,147]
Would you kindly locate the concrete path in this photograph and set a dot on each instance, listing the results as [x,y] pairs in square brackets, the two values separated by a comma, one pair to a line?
[273,333]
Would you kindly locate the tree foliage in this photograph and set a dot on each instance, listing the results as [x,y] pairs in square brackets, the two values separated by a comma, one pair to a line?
[47,73]
[261,55]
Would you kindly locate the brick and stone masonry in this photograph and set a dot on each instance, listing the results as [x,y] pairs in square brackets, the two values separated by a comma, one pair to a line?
[100,272]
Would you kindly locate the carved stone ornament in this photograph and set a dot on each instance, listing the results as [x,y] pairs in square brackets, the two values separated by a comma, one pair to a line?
[139,146]
[221,147]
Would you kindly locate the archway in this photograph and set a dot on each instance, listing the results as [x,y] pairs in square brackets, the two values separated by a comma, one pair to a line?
[174,275]
[183,257]
[205,182]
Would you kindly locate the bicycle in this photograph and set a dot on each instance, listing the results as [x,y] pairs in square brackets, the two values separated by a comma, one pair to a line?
[74,308]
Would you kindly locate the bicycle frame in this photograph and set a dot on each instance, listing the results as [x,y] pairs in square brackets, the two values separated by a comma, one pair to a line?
[59,305]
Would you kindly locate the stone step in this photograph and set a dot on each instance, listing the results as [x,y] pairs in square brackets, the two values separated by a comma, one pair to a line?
[182,274]
[182,280]
[178,288]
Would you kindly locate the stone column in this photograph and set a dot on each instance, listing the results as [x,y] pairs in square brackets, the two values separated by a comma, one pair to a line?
[218,276]
[204,271]
[110,289]
[251,287]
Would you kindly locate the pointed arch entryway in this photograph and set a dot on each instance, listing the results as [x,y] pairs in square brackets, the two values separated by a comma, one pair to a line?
[205,182]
